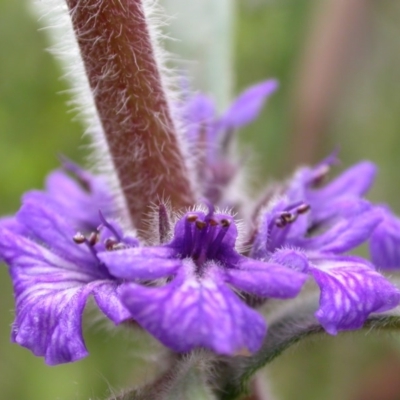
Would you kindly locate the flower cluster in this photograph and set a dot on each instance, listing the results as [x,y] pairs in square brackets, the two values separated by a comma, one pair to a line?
[196,287]
[53,276]
[316,242]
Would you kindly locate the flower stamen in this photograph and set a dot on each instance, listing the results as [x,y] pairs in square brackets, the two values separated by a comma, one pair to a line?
[79,238]
[90,242]
[203,237]
[290,215]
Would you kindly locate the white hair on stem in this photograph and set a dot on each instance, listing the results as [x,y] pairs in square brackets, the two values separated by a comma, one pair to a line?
[55,17]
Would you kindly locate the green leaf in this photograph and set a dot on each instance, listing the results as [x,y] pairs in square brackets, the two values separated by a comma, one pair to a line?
[287,328]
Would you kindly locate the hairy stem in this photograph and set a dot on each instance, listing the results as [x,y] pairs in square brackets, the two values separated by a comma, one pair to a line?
[283,334]
[123,74]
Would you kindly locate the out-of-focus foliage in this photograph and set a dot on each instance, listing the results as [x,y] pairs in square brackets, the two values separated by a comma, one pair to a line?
[204,33]
[271,38]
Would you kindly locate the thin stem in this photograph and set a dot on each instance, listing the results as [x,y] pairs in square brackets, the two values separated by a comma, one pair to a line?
[118,55]
[259,389]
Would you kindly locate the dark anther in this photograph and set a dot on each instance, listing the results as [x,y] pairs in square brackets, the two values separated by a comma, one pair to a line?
[303,208]
[110,244]
[280,223]
[192,218]
[288,217]
[79,238]
[200,225]
[285,214]
[225,223]
[93,238]
[213,222]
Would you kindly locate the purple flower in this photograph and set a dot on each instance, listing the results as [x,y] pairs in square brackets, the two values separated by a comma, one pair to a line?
[209,136]
[327,202]
[78,196]
[53,276]
[291,235]
[200,277]
[192,284]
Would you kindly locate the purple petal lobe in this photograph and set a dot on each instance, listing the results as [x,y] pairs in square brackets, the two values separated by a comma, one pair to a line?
[350,290]
[48,322]
[248,105]
[43,294]
[355,181]
[200,109]
[12,224]
[191,312]
[358,220]
[266,279]
[307,185]
[37,262]
[78,201]
[293,259]
[107,296]
[49,227]
[309,177]
[50,294]
[385,242]
[141,262]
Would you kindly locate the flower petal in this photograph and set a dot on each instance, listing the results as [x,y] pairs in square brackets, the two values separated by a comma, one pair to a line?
[49,227]
[49,323]
[39,262]
[12,224]
[199,109]
[265,279]
[350,290]
[190,312]
[199,117]
[354,181]
[248,105]
[141,262]
[294,259]
[107,296]
[50,294]
[385,242]
[305,177]
[80,203]
[356,223]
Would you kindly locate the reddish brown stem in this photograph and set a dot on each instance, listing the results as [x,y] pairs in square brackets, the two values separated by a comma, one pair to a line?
[117,52]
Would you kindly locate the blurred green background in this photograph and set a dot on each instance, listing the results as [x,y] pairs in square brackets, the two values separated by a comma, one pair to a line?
[339,67]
